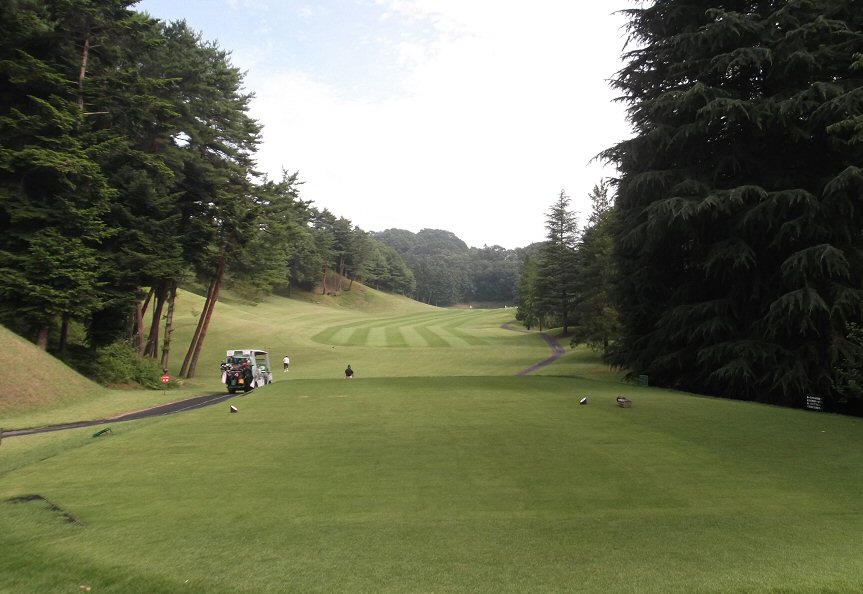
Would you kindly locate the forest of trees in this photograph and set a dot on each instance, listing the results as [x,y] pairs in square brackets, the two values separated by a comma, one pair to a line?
[448,272]
[127,163]
[730,263]
[568,280]
[740,198]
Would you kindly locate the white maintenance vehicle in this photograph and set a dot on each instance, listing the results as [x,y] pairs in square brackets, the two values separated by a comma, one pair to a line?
[246,369]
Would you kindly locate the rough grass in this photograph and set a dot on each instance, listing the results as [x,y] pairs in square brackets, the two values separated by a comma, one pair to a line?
[40,381]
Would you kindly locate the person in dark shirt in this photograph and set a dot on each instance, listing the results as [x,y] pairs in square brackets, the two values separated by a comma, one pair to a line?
[349,373]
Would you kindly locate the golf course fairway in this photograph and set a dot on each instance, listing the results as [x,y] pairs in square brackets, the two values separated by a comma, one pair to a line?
[437,468]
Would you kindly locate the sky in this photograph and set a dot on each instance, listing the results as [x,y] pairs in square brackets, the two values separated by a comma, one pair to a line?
[469,116]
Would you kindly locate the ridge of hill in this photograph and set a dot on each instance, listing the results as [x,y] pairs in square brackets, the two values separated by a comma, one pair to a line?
[363,298]
[42,380]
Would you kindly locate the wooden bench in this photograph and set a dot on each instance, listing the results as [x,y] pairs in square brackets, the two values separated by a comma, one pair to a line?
[624,402]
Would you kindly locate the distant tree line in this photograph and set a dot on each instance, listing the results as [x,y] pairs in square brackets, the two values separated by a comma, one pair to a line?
[448,272]
[127,167]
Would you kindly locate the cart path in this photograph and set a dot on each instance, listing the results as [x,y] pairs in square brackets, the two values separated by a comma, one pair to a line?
[162,409]
[557,351]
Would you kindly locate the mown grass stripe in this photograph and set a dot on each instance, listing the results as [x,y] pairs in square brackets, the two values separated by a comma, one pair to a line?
[394,337]
[376,338]
[412,337]
[430,337]
[359,337]
[456,328]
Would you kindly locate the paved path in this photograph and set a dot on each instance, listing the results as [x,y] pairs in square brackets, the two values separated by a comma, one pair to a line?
[162,409]
[557,351]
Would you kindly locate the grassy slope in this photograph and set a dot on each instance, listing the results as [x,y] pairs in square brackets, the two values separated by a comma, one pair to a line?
[42,381]
[436,470]
[49,392]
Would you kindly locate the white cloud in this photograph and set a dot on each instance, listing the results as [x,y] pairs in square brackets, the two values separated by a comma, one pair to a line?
[498,111]
[255,6]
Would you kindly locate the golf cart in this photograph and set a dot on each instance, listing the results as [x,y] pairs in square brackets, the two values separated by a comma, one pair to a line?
[246,369]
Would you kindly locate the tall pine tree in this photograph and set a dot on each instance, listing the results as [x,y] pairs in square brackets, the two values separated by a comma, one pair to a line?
[53,193]
[215,142]
[740,199]
[555,290]
[595,318]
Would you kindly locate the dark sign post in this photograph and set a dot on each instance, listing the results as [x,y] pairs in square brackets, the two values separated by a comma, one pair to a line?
[165,379]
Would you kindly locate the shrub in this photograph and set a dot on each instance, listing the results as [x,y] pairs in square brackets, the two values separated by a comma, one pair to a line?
[119,363]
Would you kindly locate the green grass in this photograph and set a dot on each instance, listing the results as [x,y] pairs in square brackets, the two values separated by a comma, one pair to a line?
[436,470]
[41,382]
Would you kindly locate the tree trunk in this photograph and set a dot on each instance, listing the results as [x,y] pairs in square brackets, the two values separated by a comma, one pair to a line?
[217,282]
[341,271]
[83,72]
[138,328]
[64,336]
[147,301]
[152,348]
[197,334]
[42,338]
[324,283]
[138,322]
[169,324]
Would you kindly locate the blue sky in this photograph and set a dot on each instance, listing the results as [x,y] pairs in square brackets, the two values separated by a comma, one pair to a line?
[464,115]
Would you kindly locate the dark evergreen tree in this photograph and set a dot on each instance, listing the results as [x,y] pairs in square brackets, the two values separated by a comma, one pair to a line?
[324,237]
[132,109]
[278,244]
[595,318]
[401,278]
[555,289]
[218,138]
[362,253]
[739,200]
[53,193]
[342,230]
[306,260]
[528,311]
